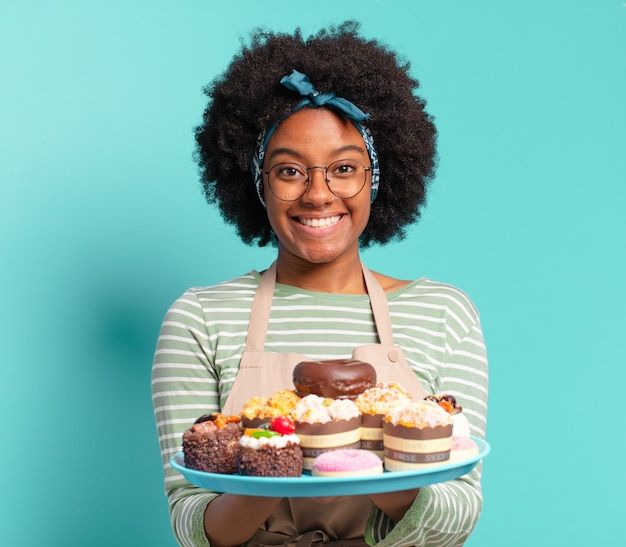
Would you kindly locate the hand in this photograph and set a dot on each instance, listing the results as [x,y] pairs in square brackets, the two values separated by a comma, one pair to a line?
[230,519]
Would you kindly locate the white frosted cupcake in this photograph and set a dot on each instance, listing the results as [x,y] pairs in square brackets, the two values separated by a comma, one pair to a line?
[416,435]
[325,424]
[273,452]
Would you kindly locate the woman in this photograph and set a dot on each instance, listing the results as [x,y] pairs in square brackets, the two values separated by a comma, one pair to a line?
[320,147]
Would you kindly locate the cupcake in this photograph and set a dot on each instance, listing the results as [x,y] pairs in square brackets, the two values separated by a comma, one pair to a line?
[326,424]
[373,404]
[260,410]
[416,435]
[271,452]
[463,447]
[212,444]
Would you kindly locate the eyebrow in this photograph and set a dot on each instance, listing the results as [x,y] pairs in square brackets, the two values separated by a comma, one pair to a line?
[292,152]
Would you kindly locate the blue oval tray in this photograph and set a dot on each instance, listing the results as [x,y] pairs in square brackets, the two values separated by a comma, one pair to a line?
[307,486]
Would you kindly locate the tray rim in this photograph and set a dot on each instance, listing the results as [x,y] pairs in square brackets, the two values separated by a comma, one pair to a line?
[385,482]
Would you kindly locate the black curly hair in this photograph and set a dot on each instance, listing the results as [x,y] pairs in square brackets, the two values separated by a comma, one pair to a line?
[248,97]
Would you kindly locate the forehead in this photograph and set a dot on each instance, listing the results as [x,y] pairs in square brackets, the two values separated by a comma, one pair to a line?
[315,131]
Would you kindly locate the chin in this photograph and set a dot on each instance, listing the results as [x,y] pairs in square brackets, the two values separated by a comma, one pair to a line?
[318,255]
[319,258]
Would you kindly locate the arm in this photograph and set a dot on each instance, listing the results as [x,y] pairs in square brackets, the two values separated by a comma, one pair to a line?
[442,514]
[185,385]
[231,520]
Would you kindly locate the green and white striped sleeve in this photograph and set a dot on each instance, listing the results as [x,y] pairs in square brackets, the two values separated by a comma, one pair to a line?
[184,386]
[443,515]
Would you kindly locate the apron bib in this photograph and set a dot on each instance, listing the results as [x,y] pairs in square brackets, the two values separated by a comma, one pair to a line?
[302,522]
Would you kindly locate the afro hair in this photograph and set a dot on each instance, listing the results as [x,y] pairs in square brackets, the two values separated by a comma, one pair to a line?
[248,97]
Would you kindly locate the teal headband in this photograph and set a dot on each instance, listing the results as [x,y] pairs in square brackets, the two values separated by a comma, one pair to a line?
[311,97]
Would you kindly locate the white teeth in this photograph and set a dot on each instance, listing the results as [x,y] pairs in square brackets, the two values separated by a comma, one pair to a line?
[319,222]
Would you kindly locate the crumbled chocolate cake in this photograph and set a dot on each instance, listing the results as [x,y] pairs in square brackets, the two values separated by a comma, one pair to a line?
[269,461]
[209,448]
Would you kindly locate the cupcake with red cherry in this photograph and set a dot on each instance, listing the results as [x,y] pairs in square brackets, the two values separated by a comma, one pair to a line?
[271,451]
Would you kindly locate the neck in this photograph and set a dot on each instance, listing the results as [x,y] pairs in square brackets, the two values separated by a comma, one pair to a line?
[343,275]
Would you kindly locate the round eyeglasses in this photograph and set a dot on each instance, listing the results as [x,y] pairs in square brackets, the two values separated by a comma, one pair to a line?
[290,181]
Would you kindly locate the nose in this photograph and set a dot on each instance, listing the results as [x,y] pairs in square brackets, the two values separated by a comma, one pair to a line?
[317,192]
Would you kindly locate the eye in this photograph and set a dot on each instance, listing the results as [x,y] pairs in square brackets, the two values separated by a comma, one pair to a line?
[344,168]
[289,171]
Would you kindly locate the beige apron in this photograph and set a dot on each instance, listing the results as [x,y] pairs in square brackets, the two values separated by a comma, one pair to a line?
[301,521]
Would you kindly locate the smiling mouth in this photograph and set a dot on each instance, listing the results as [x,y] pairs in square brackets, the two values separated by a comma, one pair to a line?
[319,222]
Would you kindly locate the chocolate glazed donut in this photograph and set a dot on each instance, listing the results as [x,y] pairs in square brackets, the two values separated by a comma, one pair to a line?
[334,378]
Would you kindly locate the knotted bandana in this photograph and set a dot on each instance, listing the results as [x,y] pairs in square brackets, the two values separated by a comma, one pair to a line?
[296,81]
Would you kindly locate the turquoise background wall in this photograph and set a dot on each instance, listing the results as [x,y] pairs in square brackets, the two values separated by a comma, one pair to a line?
[103,225]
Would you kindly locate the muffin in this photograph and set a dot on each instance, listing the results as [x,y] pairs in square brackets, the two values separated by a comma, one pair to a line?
[326,424]
[463,447]
[211,444]
[260,410]
[416,435]
[271,452]
[373,404]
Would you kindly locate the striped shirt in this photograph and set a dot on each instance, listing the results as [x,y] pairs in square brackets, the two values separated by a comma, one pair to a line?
[197,359]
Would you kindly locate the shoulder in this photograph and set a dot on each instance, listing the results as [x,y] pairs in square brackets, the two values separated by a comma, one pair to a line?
[196,301]
[242,286]
[390,284]
[438,300]
[445,295]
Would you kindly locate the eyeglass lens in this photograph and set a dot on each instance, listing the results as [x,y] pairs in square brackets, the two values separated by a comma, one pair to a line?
[289,181]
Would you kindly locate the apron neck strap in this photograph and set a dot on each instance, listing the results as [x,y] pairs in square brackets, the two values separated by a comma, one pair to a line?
[260,312]
[380,307]
[262,305]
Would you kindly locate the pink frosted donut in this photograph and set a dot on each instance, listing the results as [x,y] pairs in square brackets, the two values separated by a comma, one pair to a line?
[347,463]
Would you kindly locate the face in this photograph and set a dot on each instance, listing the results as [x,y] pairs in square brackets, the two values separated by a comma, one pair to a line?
[319,227]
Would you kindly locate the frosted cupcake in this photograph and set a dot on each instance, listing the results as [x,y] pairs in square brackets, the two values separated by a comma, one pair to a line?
[325,424]
[373,404]
[271,452]
[416,435]
[463,447]
[260,410]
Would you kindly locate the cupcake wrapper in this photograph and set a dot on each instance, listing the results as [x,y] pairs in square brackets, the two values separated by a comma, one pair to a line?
[411,448]
[318,438]
[374,446]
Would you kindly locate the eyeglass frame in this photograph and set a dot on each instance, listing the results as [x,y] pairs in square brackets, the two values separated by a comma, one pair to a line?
[308,177]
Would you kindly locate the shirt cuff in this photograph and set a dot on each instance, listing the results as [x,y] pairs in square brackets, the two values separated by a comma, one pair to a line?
[198,536]
[381,531]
